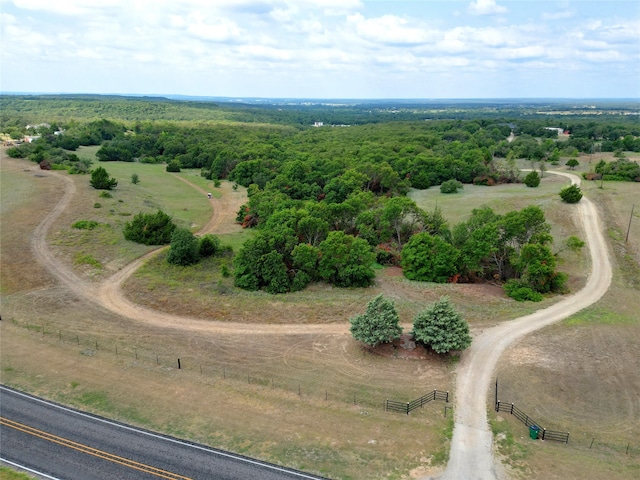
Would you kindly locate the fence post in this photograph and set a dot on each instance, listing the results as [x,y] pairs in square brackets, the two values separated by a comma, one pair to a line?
[408,408]
[498,406]
[447,400]
[567,440]
[178,364]
[512,409]
[544,430]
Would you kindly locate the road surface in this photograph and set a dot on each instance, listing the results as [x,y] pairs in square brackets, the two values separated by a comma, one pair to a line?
[67,444]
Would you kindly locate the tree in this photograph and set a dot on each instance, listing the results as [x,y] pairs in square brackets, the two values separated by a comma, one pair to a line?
[441,327]
[532,179]
[100,180]
[379,324]
[208,245]
[572,163]
[150,228]
[571,194]
[184,248]
[135,178]
[450,186]
[428,258]
[346,261]
[173,166]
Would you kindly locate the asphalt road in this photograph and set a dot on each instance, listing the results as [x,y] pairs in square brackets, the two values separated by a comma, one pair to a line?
[67,444]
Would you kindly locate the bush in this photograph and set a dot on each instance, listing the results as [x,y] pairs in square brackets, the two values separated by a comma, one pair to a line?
[450,186]
[519,292]
[85,224]
[441,327]
[135,178]
[150,228]
[571,194]
[379,324]
[184,248]
[97,205]
[100,180]
[105,194]
[532,179]
[208,245]
[173,166]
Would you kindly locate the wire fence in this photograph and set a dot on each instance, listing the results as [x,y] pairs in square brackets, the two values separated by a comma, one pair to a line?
[357,396]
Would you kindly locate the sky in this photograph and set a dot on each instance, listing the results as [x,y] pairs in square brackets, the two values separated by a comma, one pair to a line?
[356,49]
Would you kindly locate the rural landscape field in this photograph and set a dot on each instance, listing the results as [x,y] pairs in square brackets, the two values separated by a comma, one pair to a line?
[107,325]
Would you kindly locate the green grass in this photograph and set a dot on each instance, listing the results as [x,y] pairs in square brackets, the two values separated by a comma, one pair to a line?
[502,198]
[7,473]
[599,314]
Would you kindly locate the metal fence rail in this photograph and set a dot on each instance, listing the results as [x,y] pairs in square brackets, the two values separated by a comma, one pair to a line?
[528,421]
[407,407]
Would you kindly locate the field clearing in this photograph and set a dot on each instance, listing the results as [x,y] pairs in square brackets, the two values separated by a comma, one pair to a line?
[99,252]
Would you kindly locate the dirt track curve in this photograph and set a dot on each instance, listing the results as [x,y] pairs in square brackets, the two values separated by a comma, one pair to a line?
[471,448]
[471,455]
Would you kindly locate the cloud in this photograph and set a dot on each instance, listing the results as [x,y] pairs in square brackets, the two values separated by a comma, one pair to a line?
[486,7]
[558,15]
[389,30]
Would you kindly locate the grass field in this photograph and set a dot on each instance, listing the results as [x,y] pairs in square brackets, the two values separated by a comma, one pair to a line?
[311,401]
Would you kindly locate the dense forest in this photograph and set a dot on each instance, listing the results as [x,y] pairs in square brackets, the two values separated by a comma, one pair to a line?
[326,183]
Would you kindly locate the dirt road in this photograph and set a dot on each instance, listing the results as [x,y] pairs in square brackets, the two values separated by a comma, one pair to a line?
[471,447]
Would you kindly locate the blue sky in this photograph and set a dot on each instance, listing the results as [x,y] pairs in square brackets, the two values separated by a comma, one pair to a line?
[323,48]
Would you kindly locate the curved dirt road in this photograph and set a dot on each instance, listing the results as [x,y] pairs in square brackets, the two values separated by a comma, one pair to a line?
[471,447]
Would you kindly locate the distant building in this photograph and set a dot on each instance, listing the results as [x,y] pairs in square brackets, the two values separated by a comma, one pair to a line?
[318,124]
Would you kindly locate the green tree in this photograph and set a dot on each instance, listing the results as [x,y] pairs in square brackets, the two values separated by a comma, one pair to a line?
[571,194]
[135,178]
[572,163]
[428,258]
[441,327]
[150,228]
[451,186]
[346,261]
[379,324]
[208,245]
[184,248]
[173,166]
[100,180]
[532,179]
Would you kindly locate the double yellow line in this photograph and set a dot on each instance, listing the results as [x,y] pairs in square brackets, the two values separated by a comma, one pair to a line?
[91,451]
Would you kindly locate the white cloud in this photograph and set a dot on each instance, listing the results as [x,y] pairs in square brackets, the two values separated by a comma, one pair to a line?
[562,15]
[390,30]
[213,29]
[486,7]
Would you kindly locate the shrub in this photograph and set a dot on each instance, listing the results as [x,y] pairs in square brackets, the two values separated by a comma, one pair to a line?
[441,327]
[184,248]
[208,245]
[571,194]
[150,228]
[532,179]
[135,178]
[105,194]
[520,292]
[173,166]
[85,224]
[379,324]
[451,186]
[100,180]
[97,205]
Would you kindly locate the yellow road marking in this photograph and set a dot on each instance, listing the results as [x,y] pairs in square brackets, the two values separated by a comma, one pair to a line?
[92,451]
